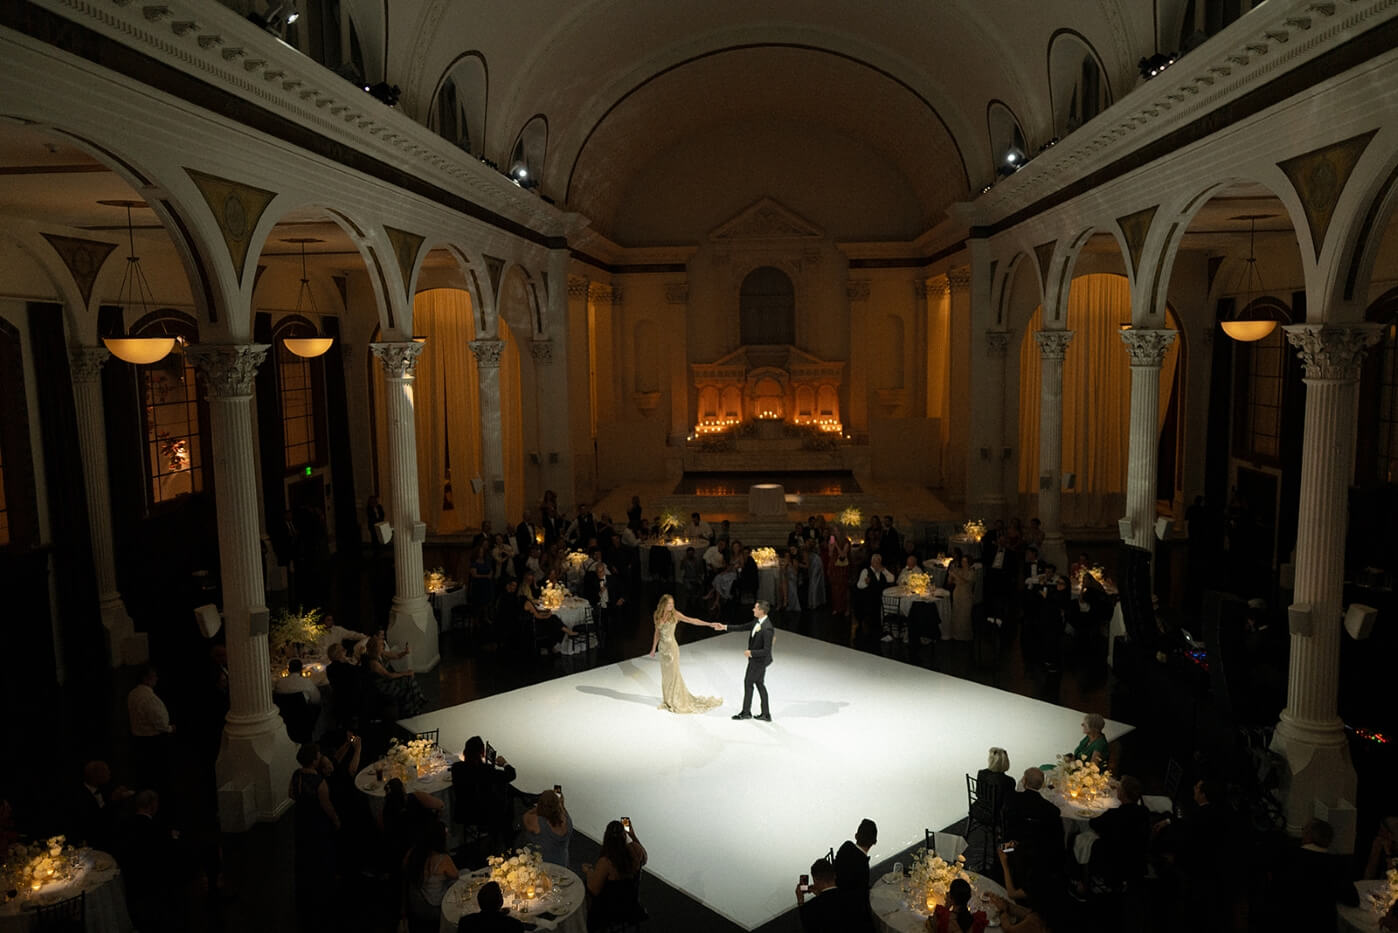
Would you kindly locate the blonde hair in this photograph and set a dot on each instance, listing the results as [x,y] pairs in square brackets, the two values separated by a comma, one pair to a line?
[999,760]
[662,613]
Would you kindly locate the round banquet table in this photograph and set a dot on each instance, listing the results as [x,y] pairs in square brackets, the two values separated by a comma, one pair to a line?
[573,611]
[1365,917]
[438,784]
[895,916]
[937,596]
[767,499]
[564,904]
[1076,833]
[99,879]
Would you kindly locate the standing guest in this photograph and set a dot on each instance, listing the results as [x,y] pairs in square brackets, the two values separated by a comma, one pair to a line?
[427,873]
[890,543]
[815,574]
[492,917]
[316,825]
[349,690]
[1058,607]
[691,577]
[698,528]
[612,883]
[151,867]
[549,827]
[90,821]
[796,535]
[633,514]
[873,580]
[788,581]
[829,909]
[837,567]
[152,733]
[962,580]
[747,574]
[405,818]
[852,865]
[1034,534]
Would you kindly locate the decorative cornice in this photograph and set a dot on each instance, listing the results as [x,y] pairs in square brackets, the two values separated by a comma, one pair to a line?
[677,293]
[935,287]
[1332,353]
[399,359]
[541,350]
[959,278]
[577,286]
[1053,344]
[997,343]
[487,352]
[1147,347]
[85,363]
[599,291]
[227,370]
[857,289]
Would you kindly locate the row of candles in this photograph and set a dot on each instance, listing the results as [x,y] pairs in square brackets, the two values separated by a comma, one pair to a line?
[829,425]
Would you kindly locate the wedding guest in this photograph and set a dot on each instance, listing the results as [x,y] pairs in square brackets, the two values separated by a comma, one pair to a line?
[910,566]
[698,528]
[1383,849]
[852,865]
[873,580]
[483,793]
[152,733]
[316,825]
[612,883]
[691,578]
[294,683]
[837,567]
[397,687]
[1034,821]
[427,873]
[549,827]
[90,820]
[633,513]
[1310,882]
[955,915]
[151,867]
[1093,745]
[993,787]
[828,909]
[492,917]
[405,818]
[1123,836]
[815,574]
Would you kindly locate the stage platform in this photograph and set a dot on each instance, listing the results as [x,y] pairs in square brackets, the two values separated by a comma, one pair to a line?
[732,812]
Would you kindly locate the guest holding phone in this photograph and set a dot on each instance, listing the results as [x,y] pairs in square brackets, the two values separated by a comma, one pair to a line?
[822,905]
[613,884]
[549,827]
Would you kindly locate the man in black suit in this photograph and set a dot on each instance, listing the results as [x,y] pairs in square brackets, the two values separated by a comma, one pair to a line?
[852,865]
[1310,881]
[483,792]
[830,909]
[491,918]
[759,655]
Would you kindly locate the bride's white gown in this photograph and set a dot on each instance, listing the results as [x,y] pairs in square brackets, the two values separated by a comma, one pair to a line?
[677,697]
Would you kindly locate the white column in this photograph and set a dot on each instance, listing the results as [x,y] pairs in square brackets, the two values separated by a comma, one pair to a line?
[410,619]
[1053,345]
[487,353]
[256,757]
[1147,348]
[124,645]
[1311,735]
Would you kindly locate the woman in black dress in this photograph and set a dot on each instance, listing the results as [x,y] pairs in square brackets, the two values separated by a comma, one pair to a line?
[316,824]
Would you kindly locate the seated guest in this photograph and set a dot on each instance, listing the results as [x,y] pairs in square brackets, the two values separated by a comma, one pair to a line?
[90,821]
[405,818]
[1310,882]
[993,786]
[492,917]
[548,827]
[482,794]
[1123,837]
[1034,821]
[955,915]
[910,566]
[613,883]
[1383,849]
[829,909]
[427,873]
[852,865]
[1093,746]
[394,686]
[294,682]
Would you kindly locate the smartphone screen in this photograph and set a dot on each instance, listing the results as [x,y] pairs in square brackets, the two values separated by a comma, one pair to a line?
[805,880]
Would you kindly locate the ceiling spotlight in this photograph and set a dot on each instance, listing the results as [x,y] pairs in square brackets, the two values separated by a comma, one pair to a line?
[385,93]
[520,171]
[1151,67]
[277,17]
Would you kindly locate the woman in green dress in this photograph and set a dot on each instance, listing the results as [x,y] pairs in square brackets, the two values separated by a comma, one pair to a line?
[1093,746]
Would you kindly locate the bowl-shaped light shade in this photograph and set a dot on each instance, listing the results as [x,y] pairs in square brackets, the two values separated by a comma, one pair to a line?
[308,346]
[140,350]
[1248,331]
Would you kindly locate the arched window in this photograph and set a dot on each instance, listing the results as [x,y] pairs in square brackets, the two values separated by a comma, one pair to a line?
[300,393]
[458,108]
[732,402]
[767,307]
[708,402]
[19,518]
[171,416]
[1079,89]
[530,149]
[829,402]
[1007,146]
[805,401]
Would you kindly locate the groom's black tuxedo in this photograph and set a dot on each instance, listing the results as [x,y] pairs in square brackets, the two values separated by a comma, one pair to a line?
[759,657]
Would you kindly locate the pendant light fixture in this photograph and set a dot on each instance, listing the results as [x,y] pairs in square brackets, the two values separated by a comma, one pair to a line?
[1248,329]
[307,347]
[135,289]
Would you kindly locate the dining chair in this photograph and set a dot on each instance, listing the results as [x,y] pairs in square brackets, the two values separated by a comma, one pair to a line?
[890,611]
[983,813]
[432,735]
[66,916]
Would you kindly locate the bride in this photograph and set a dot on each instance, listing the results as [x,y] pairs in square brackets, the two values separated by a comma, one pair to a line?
[677,697]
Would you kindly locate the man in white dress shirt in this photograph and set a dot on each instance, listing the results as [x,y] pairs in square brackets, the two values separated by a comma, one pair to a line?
[698,528]
[151,730]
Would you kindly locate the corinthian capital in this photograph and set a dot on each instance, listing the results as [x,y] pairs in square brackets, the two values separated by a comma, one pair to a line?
[997,343]
[85,363]
[960,277]
[1147,347]
[487,352]
[541,350]
[1332,353]
[1053,344]
[577,286]
[227,370]
[399,359]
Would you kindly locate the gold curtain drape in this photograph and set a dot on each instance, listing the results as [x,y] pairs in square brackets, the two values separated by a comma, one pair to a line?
[446,395]
[511,425]
[1096,402]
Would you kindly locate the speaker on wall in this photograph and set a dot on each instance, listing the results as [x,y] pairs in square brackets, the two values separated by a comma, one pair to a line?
[208,619]
[1298,617]
[1359,621]
[1126,527]
[1162,527]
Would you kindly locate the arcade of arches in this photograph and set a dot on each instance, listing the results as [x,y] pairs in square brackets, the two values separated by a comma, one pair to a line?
[981,291]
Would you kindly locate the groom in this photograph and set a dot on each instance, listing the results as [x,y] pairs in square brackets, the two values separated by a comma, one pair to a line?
[759,655]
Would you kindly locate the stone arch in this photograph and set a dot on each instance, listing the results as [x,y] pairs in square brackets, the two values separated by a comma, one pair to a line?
[1016,285]
[530,151]
[460,102]
[525,310]
[1005,134]
[1073,97]
[1361,225]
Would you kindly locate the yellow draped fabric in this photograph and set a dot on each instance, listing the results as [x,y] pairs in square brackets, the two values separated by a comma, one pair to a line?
[446,396]
[1096,402]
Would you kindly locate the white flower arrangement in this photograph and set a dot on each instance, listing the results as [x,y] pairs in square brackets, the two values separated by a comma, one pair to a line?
[435,580]
[30,867]
[669,521]
[930,877]
[919,582]
[764,557]
[520,874]
[415,758]
[851,518]
[1082,781]
[975,528]
[552,595]
[1385,897]
[296,628]
[575,560]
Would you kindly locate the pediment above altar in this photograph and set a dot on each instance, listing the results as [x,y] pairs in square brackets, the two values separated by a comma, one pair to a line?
[742,362]
[767,220]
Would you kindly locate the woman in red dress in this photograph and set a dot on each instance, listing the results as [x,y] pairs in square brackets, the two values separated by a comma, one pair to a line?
[837,572]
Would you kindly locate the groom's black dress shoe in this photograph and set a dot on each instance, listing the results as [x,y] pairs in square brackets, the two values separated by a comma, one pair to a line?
[743,716]
[765,717]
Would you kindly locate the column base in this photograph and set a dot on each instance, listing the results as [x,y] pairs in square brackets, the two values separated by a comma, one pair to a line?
[124,644]
[1321,773]
[410,622]
[1055,551]
[254,764]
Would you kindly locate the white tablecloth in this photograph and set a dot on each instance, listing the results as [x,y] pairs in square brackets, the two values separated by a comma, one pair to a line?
[939,597]
[573,611]
[443,603]
[564,902]
[100,880]
[437,784]
[886,899]
[767,499]
[1365,917]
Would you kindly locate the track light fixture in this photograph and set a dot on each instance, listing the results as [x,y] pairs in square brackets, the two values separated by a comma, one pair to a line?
[277,18]
[1150,67]
[387,94]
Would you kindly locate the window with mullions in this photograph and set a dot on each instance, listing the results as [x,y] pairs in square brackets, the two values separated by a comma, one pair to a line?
[1387,352]
[170,412]
[296,387]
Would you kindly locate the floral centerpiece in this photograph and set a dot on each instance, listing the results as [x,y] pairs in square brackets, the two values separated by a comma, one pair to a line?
[1385,897]
[415,758]
[930,877]
[764,557]
[851,518]
[670,522]
[919,582]
[435,580]
[296,628]
[975,529]
[520,874]
[575,561]
[1082,781]
[28,867]
[552,595]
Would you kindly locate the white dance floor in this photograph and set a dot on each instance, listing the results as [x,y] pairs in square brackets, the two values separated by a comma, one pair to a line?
[732,812]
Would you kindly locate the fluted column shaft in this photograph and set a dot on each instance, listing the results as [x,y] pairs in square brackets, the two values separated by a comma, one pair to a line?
[1147,349]
[123,646]
[487,354]
[1311,734]
[410,619]
[256,750]
[1053,346]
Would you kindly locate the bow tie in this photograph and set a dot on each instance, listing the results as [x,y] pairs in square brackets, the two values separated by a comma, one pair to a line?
[758,626]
